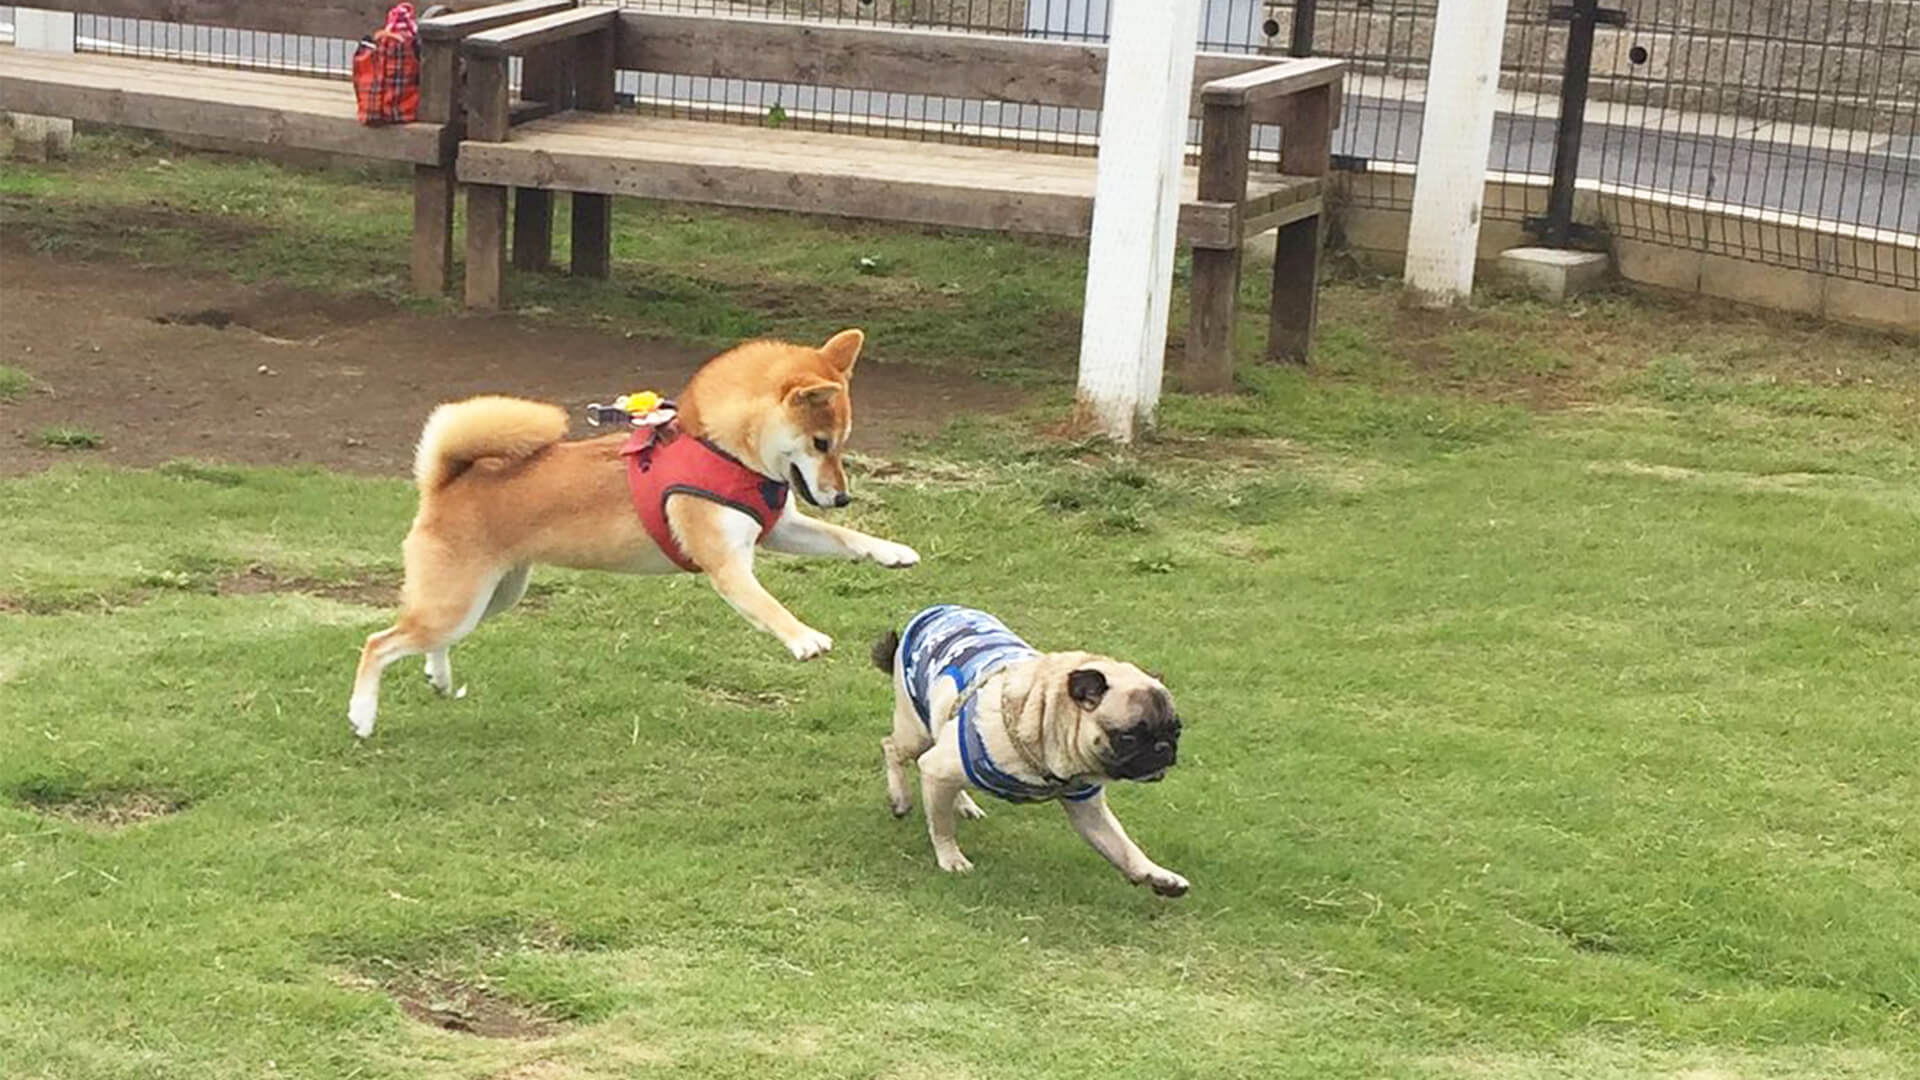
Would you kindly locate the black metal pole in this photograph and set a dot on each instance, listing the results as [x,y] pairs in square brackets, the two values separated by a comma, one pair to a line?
[1573,117]
[1300,40]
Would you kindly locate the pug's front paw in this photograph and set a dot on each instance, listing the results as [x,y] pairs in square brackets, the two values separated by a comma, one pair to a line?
[953,862]
[1165,882]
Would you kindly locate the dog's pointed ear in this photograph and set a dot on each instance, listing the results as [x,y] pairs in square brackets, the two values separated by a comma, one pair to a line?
[1086,687]
[842,350]
[813,395]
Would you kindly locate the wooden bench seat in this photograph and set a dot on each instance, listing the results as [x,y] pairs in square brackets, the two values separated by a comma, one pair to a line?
[855,176]
[262,107]
[278,109]
[587,148]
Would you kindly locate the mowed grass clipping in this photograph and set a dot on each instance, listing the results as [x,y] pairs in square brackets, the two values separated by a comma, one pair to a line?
[1546,671]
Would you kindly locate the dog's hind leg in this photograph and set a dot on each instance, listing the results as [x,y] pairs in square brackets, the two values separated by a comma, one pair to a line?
[513,586]
[909,739]
[455,599]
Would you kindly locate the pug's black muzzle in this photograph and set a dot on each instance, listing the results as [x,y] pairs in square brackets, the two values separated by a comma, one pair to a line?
[1147,765]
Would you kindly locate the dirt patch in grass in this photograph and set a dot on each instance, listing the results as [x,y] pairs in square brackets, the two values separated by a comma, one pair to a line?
[103,232]
[104,809]
[365,590]
[467,1009]
[305,378]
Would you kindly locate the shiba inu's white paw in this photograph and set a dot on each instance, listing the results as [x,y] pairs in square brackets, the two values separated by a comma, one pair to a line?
[1165,882]
[953,862]
[809,644]
[440,672]
[360,715]
[892,555]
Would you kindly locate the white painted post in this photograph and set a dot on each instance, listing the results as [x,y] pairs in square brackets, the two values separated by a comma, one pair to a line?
[50,31]
[1456,133]
[1136,208]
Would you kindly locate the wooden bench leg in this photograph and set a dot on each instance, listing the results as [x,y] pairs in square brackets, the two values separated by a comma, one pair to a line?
[486,245]
[592,235]
[532,229]
[1296,291]
[433,188]
[1210,327]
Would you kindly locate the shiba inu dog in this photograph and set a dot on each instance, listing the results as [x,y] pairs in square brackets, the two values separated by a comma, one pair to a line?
[976,707]
[500,491]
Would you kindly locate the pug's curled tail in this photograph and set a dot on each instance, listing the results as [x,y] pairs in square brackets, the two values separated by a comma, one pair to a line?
[884,650]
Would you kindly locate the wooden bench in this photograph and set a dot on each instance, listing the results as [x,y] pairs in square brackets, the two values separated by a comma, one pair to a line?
[272,108]
[584,148]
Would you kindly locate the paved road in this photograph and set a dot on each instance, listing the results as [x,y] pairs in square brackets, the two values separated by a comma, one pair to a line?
[1879,188]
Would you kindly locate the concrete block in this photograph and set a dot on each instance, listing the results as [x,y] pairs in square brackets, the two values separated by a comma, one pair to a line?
[1659,264]
[1553,273]
[1879,306]
[1781,288]
[41,138]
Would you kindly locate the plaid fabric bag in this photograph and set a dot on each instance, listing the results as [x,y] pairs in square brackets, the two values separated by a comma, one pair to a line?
[386,71]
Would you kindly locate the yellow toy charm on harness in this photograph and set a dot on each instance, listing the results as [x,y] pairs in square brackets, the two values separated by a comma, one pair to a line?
[640,409]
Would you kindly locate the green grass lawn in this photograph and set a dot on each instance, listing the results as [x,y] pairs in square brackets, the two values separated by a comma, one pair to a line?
[1547,675]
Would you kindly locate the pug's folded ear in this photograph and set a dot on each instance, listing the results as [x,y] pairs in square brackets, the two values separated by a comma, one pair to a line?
[1157,677]
[1086,687]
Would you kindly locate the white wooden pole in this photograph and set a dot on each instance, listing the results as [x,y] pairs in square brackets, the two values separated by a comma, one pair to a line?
[1136,207]
[49,31]
[1456,133]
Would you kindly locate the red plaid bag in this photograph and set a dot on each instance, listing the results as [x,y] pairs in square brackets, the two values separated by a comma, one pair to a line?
[386,71]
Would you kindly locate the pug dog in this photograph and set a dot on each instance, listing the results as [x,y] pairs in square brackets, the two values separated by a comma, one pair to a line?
[977,707]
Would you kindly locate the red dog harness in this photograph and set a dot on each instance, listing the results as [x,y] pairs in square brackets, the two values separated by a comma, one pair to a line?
[664,461]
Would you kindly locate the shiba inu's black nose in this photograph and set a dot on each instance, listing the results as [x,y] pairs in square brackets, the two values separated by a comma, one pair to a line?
[842,499]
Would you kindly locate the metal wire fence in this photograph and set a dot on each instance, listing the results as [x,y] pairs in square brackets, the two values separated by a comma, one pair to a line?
[1789,112]
[1799,112]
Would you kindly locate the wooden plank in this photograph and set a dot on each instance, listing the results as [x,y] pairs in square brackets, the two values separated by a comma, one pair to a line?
[455,26]
[647,139]
[1226,138]
[544,76]
[928,201]
[1274,218]
[958,186]
[189,111]
[433,192]
[486,246]
[488,115]
[592,235]
[114,72]
[515,39]
[532,229]
[1043,176]
[1283,79]
[969,66]
[594,72]
[440,83]
[1305,149]
[323,18]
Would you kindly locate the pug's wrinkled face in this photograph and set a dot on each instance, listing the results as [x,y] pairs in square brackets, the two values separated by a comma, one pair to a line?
[1129,727]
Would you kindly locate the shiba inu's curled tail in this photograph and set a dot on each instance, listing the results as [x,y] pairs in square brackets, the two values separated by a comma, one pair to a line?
[463,432]
[884,650]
